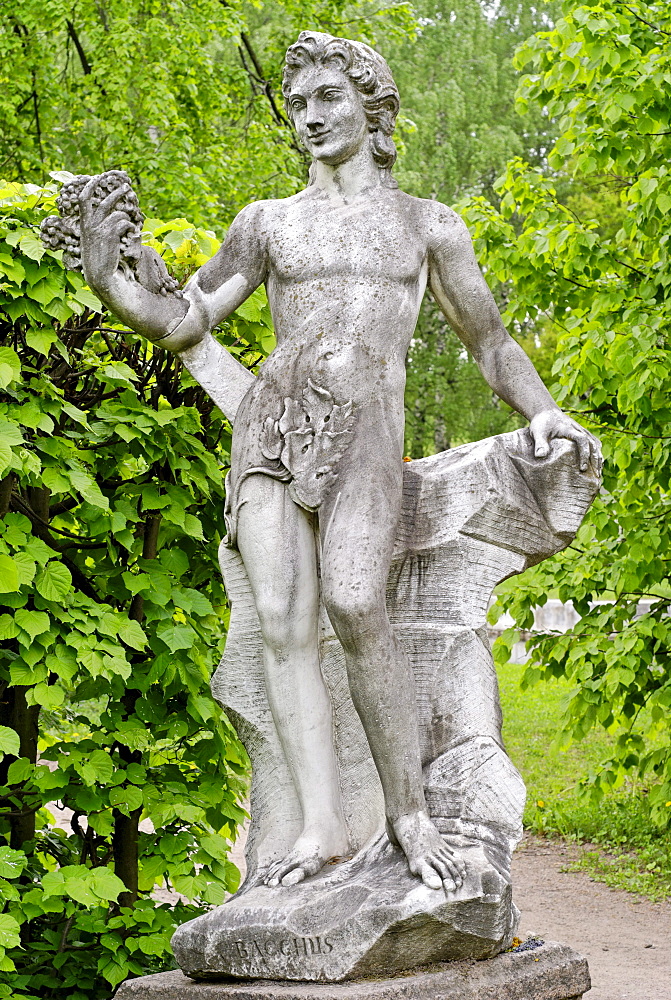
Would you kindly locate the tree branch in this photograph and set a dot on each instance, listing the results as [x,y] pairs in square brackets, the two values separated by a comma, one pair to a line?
[86,65]
[265,83]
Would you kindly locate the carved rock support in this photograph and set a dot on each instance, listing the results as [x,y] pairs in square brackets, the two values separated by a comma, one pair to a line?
[471,517]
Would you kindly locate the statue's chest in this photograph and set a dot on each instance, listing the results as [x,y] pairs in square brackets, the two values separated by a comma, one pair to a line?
[360,242]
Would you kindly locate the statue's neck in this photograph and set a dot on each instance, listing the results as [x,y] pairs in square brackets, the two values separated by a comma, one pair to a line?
[348,179]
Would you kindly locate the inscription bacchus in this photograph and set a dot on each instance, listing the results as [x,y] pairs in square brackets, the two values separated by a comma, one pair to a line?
[303,947]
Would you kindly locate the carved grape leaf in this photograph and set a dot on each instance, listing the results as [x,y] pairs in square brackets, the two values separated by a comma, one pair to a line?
[271,439]
[298,454]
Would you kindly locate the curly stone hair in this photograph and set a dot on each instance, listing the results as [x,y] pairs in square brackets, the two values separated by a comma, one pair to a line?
[369,73]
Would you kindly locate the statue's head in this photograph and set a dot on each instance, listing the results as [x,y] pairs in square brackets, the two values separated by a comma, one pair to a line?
[340,94]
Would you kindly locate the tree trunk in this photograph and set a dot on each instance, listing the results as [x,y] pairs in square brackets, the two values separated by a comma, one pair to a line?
[23,719]
[126,828]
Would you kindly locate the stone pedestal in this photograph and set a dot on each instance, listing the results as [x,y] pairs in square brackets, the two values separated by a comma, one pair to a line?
[471,517]
[551,972]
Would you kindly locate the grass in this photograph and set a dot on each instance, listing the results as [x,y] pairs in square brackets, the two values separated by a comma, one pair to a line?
[625,850]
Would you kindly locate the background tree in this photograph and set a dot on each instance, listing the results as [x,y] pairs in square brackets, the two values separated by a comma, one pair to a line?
[459,127]
[182,95]
[604,73]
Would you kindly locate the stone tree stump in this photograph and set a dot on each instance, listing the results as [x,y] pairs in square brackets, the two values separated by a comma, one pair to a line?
[471,517]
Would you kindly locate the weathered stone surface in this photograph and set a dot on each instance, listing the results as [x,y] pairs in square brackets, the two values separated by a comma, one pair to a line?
[359,919]
[552,972]
[313,504]
[454,544]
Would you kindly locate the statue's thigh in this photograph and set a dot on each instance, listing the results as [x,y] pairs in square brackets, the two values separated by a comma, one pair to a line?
[276,540]
[358,526]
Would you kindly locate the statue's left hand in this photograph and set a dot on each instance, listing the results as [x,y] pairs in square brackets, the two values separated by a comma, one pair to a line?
[552,423]
[102,229]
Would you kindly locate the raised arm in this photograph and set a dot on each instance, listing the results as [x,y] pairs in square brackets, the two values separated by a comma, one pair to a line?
[179,322]
[468,304]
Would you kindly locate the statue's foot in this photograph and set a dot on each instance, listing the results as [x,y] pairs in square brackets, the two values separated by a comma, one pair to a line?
[309,854]
[429,857]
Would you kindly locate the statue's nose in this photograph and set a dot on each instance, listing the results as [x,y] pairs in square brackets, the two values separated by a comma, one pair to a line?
[314,118]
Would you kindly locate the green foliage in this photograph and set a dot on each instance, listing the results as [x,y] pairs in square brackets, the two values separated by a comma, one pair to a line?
[604,72]
[459,123]
[447,401]
[180,94]
[458,127]
[631,852]
[111,614]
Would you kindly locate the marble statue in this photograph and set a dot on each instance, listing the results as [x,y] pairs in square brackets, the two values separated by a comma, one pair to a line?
[359,727]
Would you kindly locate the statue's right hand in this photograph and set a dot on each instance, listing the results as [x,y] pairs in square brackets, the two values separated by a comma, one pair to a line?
[102,229]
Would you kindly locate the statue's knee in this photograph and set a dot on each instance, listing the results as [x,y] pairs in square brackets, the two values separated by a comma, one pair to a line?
[282,627]
[357,618]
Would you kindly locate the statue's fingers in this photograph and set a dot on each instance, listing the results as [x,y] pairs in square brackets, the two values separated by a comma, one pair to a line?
[86,194]
[109,202]
[117,224]
[541,442]
[582,443]
[595,454]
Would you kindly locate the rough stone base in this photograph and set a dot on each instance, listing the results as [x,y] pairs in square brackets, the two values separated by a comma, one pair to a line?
[365,917]
[551,972]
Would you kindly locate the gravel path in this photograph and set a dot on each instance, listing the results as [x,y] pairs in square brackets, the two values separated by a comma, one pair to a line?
[625,938]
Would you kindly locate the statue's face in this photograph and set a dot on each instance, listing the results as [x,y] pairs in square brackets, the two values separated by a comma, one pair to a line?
[328,114]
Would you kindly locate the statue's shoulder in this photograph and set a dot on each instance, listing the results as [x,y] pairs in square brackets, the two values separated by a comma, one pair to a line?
[429,210]
[262,214]
[438,223]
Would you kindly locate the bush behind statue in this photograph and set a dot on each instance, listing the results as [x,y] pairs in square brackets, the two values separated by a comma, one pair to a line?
[111,469]
[602,283]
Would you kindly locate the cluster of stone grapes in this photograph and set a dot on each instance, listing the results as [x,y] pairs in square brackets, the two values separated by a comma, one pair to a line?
[62,232]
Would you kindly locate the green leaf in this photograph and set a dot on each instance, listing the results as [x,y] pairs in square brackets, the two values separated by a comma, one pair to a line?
[9,741]
[6,455]
[9,359]
[12,862]
[99,768]
[31,245]
[133,634]
[216,846]
[125,798]
[9,931]
[41,340]
[54,581]
[177,636]
[106,884]
[49,696]
[32,622]
[19,771]
[9,575]
[86,297]
[8,627]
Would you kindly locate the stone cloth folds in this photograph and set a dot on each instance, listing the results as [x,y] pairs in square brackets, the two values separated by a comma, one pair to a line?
[298,441]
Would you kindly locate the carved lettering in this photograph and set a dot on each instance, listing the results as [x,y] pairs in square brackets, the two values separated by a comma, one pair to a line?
[253,950]
[257,947]
[242,949]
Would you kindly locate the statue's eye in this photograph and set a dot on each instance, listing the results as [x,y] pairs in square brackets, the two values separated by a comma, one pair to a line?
[331,95]
[297,103]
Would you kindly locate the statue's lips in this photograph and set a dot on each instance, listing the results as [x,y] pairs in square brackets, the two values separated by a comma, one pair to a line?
[318,137]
